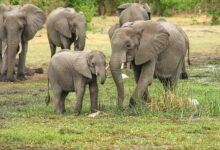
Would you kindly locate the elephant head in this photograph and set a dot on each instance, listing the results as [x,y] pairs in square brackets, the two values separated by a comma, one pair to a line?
[146,7]
[19,24]
[138,42]
[95,64]
[78,24]
[71,22]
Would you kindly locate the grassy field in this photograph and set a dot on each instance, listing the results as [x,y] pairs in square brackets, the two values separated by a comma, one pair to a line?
[27,123]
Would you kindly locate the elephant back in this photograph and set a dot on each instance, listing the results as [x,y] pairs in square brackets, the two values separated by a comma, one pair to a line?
[133,13]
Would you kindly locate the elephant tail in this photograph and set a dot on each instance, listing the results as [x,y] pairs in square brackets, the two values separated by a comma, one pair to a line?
[188,60]
[47,99]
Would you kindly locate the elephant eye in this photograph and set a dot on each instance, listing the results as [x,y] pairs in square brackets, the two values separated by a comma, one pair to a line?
[128,45]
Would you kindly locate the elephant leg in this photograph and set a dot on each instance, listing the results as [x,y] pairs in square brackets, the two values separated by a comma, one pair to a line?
[65,42]
[76,42]
[1,54]
[52,48]
[4,65]
[93,89]
[167,84]
[62,101]
[4,57]
[80,90]
[137,72]
[184,74]
[145,79]
[11,56]
[21,62]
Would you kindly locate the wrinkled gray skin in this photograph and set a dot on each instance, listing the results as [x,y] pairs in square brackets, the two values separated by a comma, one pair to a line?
[131,12]
[64,27]
[18,25]
[71,71]
[184,74]
[154,49]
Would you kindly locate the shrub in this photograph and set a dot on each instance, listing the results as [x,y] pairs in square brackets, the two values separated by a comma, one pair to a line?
[45,5]
[86,6]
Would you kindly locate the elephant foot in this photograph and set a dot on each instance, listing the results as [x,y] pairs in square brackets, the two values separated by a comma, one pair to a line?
[38,70]
[3,78]
[21,77]
[120,105]
[184,75]
[47,100]
[146,98]
[132,103]
[76,112]
[60,111]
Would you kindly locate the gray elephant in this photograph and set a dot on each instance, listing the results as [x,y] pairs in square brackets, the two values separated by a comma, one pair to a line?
[18,25]
[64,27]
[154,49]
[131,12]
[72,71]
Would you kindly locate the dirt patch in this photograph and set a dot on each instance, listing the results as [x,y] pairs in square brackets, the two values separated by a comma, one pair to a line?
[32,148]
[8,90]
[205,58]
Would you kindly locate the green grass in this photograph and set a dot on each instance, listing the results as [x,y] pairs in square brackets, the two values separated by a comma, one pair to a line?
[27,123]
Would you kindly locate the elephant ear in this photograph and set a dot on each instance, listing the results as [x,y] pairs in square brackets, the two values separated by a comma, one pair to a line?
[3,9]
[35,18]
[147,8]
[154,39]
[123,7]
[81,65]
[62,26]
[112,30]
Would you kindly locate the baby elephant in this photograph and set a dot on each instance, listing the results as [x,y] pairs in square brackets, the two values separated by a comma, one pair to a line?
[72,71]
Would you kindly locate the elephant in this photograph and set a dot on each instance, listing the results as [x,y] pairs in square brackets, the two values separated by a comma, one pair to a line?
[131,12]
[64,27]
[71,71]
[18,25]
[154,49]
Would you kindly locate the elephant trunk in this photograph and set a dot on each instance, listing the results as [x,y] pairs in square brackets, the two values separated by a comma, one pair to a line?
[115,67]
[11,52]
[81,35]
[103,77]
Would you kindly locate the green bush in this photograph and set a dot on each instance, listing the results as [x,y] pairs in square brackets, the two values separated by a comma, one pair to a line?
[45,5]
[14,2]
[86,6]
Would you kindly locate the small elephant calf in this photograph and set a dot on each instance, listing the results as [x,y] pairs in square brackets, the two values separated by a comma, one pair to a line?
[71,71]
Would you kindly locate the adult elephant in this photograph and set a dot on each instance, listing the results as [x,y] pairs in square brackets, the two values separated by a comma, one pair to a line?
[131,12]
[18,25]
[64,27]
[154,49]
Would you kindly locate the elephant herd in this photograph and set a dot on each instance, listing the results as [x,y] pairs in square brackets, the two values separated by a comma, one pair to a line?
[155,49]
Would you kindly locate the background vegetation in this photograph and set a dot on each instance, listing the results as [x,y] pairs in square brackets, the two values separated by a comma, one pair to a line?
[108,7]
